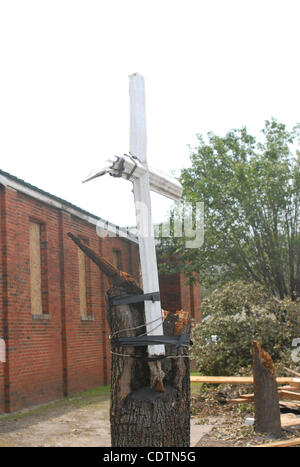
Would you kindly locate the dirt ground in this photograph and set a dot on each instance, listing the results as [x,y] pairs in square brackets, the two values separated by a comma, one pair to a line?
[79,421]
[83,420]
[210,406]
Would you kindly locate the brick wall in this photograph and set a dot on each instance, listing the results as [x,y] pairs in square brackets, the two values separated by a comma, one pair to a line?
[3,285]
[34,348]
[176,294]
[58,352]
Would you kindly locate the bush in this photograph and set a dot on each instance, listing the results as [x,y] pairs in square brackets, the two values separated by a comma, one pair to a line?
[236,314]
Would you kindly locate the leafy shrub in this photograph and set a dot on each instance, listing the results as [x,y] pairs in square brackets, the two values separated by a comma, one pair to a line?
[236,314]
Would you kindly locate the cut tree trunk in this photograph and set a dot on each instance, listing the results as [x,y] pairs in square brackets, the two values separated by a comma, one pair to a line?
[150,400]
[146,412]
[266,400]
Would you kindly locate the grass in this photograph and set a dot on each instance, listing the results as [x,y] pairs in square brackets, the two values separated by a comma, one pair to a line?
[80,399]
[195,387]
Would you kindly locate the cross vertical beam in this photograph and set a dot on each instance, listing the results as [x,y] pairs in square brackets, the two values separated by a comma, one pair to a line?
[141,190]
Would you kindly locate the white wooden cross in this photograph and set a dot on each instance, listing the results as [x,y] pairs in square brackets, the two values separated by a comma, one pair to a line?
[144,179]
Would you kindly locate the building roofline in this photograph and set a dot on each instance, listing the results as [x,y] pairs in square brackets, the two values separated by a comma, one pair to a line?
[18,184]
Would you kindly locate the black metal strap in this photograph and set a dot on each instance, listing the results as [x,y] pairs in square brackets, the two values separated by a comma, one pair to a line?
[141,341]
[127,299]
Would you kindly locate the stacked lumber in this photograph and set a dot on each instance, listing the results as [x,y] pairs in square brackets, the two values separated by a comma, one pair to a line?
[284,393]
[291,395]
[291,406]
[295,382]
[289,392]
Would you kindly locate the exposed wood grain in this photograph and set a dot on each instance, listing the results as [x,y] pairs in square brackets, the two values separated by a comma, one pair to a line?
[238,380]
[266,400]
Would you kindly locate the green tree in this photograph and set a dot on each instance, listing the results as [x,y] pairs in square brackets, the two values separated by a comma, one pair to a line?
[251,195]
[234,315]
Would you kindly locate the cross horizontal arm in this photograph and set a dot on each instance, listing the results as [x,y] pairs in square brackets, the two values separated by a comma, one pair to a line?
[132,169]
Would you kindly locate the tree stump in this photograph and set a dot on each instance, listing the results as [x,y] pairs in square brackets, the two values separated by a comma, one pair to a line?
[266,400]
[150,399]
[148,411]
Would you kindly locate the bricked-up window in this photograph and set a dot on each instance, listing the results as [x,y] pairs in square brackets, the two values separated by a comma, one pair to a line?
[38,268]
[117,259]
[84,282]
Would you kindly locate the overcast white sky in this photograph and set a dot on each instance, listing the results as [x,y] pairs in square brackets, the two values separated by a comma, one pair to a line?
[209,65]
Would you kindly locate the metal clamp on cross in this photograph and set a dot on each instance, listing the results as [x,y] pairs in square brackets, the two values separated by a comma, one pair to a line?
[134,167]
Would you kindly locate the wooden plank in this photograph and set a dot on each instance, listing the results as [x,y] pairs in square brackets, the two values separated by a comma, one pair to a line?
[290,405]
[238,380]
[292,395]
[222,379]
[289,388]
[241,400]
[244,400]
[295,383]
[280,444]
[287,417]
[247,396]
[293,372]
[294,422]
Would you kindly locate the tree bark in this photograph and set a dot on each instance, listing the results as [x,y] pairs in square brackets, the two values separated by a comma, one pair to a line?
[266,400]
[143,414]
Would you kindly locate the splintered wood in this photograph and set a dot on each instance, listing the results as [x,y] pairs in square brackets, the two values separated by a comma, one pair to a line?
[266,400]
[150,400]
[142,413]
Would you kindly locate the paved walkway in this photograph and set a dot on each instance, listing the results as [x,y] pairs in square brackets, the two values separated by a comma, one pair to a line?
[74,423]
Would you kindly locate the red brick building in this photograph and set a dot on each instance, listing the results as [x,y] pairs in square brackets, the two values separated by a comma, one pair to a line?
[52,312]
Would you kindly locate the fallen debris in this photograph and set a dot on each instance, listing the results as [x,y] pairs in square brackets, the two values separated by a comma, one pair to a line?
[229,420]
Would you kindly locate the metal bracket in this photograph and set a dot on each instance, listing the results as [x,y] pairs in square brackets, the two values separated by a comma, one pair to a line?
[127,299]
[119,169]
